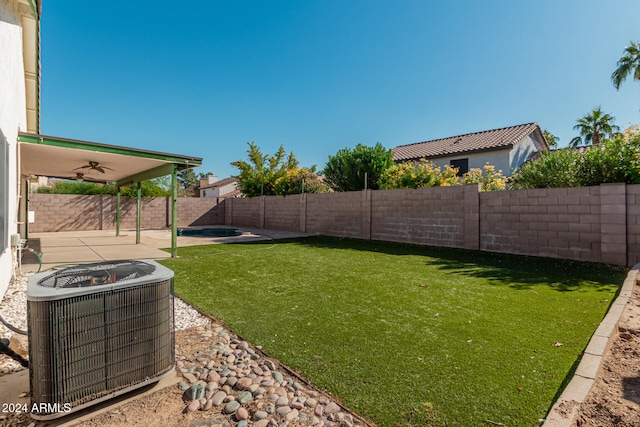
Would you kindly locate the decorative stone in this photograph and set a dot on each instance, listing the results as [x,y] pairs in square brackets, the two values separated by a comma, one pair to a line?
[331,408]
[282,401]
[193,406]
[292,415]
[195,392]
[243,383]
[261,423]
[270,408]
[242,414]
[190,377]
[245,397]
[231,407]
[260,415]
[218,398]
[277,376]
[311,402]
[213,377]
[242,423]
[283,410]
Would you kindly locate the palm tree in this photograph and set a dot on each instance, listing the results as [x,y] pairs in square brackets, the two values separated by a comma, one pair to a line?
[593,127]
[552,140]
[628,64]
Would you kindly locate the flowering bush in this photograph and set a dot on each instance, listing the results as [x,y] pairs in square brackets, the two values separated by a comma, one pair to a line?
[293,180]
[410,175]
[490,180]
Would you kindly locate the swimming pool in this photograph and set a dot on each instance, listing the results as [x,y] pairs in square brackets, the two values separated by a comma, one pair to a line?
[208,232]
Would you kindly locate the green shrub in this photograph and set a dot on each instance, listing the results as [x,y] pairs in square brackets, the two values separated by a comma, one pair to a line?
[613,161]
[551,169]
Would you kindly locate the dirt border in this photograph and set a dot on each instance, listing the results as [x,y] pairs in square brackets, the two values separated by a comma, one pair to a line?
[567,407]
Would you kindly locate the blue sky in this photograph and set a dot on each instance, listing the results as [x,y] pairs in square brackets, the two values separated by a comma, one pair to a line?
[205,78]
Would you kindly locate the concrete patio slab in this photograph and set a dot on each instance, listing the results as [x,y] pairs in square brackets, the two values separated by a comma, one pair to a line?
[66,248]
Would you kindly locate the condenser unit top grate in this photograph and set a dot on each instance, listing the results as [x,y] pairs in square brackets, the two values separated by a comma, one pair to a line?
[101,273]
[97,277]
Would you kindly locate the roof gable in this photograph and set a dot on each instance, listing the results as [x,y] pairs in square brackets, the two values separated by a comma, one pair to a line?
[220,183]
[496,139]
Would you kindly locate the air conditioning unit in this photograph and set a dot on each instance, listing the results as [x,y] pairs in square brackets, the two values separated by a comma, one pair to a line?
[97,331]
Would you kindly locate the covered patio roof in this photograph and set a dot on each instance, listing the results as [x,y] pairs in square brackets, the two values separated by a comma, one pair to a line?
[56,157]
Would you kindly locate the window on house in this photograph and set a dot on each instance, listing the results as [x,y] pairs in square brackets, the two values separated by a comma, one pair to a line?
[461,164]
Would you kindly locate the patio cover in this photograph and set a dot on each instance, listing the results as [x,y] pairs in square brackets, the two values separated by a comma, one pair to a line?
[55,157]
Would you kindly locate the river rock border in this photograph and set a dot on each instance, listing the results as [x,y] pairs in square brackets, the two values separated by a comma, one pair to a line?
[233,377]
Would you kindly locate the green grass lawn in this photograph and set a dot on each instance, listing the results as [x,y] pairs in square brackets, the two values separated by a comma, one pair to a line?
[403,334]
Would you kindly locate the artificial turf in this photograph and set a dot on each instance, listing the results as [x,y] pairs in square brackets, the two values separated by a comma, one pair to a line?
[405,334]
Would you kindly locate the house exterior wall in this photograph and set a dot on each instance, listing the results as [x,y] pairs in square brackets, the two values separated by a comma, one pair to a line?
[498,158]
[215,192]
[522,151]
[13,116]
[507,160]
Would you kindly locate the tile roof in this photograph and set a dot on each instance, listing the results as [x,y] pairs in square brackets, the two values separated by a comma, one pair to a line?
[234,193]
[469,143]
[220,183]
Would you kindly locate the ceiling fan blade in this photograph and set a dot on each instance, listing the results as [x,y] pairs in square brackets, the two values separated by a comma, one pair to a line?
[82,167]
[99,169]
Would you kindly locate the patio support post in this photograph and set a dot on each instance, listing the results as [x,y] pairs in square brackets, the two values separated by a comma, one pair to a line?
[174,212]
[118,212]
[138,211]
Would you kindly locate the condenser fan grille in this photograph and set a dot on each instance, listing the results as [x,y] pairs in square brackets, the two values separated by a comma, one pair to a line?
[102,273]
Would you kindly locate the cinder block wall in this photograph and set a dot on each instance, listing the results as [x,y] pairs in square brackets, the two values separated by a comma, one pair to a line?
[60,212]
[245,212]
[633,224]
[335,214]
[282,213]
[431,216]
[551,222]
[600,223]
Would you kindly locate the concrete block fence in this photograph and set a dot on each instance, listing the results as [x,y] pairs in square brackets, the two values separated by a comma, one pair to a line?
[600,223]
[68,212]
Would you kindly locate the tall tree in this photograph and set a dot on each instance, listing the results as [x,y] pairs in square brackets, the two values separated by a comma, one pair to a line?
[551,139]
[628,64]
[258,176]
[593,127]
[346,170]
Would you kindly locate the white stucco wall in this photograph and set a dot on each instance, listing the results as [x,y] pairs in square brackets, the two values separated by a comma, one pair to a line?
[505,160]
[499,159]
[13,116]
[523,150]
[212,193]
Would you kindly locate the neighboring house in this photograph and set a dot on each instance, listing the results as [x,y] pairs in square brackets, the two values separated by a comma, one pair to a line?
[211,188]
[507,149]
[19,111]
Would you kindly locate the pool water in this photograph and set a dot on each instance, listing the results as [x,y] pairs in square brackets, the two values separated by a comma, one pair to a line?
[208,232]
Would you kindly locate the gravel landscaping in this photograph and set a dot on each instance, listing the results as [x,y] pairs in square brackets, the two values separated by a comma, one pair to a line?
[225,381]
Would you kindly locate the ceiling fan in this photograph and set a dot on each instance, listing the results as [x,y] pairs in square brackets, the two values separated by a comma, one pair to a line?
[94,166]
[81,177]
